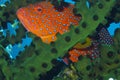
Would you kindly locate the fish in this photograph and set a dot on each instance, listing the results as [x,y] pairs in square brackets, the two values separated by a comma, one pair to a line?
[92,51]
[45,21]
[104,37]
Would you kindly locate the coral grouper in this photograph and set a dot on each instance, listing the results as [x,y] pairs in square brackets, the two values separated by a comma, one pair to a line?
[43,20]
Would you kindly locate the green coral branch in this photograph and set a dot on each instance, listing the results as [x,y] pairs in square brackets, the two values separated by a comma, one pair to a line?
[2,47]
[91,18]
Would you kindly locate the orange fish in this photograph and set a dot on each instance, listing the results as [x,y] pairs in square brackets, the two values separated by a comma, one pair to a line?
[43,20]
[92,51]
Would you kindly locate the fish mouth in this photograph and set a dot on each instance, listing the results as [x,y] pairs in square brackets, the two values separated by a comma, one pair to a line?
[21,14]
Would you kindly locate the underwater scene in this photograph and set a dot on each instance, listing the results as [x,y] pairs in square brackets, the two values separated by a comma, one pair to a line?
[59,39]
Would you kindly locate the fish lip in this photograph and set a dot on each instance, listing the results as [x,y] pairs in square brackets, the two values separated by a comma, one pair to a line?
[21,16]
[20,11]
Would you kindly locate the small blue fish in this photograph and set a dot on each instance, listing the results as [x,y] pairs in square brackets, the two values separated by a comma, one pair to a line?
[2,2]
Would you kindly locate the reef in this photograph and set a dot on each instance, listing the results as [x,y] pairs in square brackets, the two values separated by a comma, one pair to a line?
[36,60]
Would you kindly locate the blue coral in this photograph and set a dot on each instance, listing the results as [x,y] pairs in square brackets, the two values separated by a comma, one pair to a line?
[26,41]
[8,50]
[113,26]
[12,28]
[2,2]
[70,1]
[87,4]
[14,50]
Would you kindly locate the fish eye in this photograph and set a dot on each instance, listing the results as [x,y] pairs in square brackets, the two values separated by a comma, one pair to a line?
[39,9]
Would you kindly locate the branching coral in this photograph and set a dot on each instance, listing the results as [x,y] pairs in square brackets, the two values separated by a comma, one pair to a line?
[41,59]
[2,2]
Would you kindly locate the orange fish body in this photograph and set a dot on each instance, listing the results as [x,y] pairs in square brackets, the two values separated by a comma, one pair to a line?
[76,53]
[43,20]
[92,51]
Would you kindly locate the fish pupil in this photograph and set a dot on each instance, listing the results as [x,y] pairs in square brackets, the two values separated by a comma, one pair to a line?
[39,9]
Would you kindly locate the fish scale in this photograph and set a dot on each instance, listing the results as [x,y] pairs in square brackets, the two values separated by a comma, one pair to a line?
[43,20]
